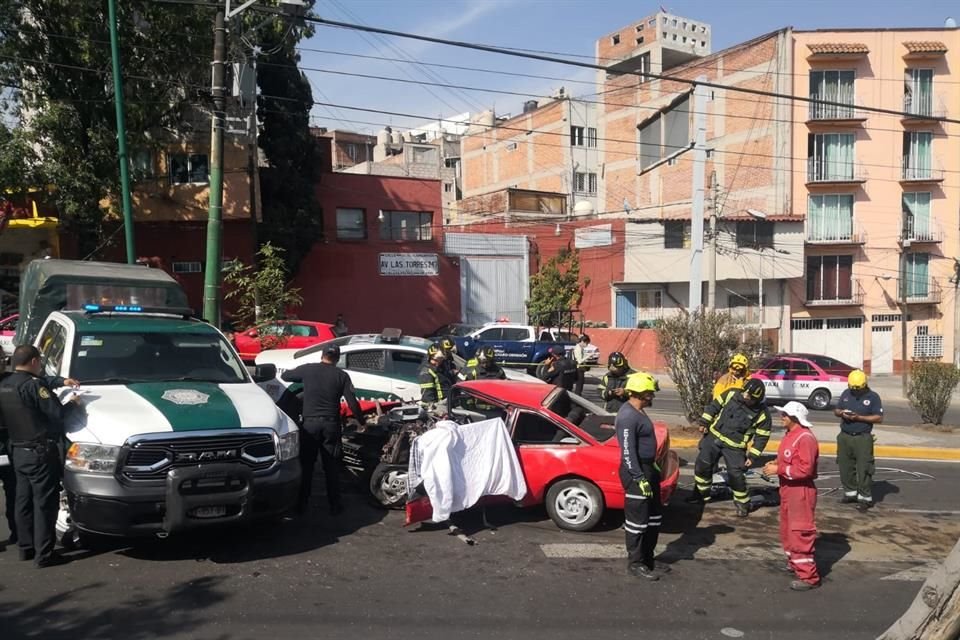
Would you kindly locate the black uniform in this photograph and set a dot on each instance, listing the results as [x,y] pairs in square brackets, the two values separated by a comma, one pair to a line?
[9,479]
[611,381]
[34,418]
[732,424]
[480,372]
[432,387]
[642,515]
[448,375]
[323,387]
[561,372]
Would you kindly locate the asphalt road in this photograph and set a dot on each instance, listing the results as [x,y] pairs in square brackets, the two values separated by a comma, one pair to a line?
[363,575]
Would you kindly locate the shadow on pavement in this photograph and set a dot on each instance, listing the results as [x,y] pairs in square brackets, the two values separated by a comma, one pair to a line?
[829,550]
[174,611]
[882,489]
[685,519]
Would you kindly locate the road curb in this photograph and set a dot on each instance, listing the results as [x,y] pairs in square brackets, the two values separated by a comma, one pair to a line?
[830,449]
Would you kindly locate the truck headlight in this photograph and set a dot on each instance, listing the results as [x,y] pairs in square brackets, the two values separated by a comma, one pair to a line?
[289,446]
[92,458]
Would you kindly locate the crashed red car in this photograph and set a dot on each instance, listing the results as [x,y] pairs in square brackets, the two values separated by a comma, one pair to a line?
[567,447]
[284,334]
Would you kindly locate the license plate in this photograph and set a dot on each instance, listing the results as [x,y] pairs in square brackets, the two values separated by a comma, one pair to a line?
[214,511]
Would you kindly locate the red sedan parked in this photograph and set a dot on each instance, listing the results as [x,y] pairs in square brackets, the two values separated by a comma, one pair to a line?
[285,334]
[567,447]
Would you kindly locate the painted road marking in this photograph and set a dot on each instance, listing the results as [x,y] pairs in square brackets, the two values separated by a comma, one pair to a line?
[914,574]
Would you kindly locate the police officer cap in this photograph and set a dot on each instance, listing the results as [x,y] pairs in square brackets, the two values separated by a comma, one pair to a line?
[332,352]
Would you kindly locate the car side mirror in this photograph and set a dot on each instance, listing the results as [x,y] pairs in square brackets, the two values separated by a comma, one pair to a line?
[264,372]
[252,333]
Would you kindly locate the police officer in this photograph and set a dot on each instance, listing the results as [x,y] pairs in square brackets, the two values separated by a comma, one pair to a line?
[559,369]
[731,423]
[323,387]
[640,476]
[859,408]
[736,376]
[486,367]
[612,384]
[431,378]
[34,419]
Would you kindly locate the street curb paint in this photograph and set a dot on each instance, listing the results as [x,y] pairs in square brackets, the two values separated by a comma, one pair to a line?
[830,449]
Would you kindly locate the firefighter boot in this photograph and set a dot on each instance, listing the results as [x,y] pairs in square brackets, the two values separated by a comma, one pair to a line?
[743,509]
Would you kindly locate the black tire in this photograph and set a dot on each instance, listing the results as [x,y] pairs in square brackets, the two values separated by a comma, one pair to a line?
[388,485]
[819,400]
[575,504]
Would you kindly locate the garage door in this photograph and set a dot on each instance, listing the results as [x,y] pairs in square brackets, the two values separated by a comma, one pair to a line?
[493,288]
[840,338]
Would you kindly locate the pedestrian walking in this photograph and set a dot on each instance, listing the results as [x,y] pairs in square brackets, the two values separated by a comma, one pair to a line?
[736,376]
[640,476]
[859,408]
[614,380]
[580,359]
[323,387]
[796,466]
[737,428]
[34,418]
[558,369]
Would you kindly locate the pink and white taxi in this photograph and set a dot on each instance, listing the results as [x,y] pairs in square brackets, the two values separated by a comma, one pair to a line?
[812,379]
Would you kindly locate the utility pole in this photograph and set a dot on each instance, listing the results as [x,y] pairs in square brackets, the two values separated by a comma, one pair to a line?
[699,167]
[121,135]
[213,276]
[712,262]
[904,245]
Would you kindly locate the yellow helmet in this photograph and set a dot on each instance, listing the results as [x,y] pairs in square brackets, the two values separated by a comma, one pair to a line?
[857,379]
[642,383]
[739,360]
[447,345]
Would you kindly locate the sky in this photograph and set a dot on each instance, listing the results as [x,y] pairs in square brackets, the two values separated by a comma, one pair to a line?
[568,27]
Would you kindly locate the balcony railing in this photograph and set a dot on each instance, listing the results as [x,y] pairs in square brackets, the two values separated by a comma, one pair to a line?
[854,298]
[924,232]
[920,292]
[834,172]
[820,112]
[835,233]
[923,106]
[912,170]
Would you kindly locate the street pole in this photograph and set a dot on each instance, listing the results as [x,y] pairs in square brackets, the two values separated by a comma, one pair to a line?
[712,262]
[696,221]
[760,288]
[904,245]
[213,275]
[121,135]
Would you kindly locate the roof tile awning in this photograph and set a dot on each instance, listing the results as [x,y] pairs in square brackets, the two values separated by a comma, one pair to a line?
[832,49]
[924,49]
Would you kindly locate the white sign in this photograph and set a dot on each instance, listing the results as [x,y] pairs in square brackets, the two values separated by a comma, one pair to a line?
[409,264]
[598,236]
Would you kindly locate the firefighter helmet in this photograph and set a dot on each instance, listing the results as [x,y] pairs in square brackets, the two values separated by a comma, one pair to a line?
[642,383]
[447,345]
[486,355]
[739,361]
[857,379]
[755,389]
[435,351]
[617,361]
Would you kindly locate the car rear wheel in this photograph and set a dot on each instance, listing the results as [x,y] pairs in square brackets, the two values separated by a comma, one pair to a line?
[388,484]
[575,504]
[819,399]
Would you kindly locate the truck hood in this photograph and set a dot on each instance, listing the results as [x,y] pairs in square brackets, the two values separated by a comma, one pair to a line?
[282,358]
[112,413]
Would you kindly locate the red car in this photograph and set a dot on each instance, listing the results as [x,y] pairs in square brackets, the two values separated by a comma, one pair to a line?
[567,447]
[285,334]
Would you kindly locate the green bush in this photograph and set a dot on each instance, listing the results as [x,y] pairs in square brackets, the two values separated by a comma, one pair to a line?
[931,388]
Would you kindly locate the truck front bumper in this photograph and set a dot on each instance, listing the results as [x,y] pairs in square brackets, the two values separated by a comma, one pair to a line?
[191,497]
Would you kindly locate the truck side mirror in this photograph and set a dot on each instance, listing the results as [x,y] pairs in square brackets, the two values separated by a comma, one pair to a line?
[264,373]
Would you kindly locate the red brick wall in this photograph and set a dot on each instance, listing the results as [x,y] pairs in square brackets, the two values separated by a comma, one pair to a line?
[640,346]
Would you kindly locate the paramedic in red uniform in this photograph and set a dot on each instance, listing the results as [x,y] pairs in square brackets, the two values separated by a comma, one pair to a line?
[796,465]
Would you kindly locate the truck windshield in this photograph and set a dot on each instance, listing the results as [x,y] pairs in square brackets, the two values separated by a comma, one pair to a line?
[119,358]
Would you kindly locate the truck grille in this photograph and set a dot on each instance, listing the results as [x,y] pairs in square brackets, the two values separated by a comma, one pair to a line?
[149,458]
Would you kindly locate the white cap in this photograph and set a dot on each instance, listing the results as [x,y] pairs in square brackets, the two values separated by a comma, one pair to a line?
[796,411]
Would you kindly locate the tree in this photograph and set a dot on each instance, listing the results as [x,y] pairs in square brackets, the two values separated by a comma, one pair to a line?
[697,346]
[555,289]
[263,294]
[931,388]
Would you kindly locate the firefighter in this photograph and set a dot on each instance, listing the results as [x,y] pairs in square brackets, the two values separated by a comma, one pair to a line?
[486,367]
[640,476]
[448,368]
[613,381]
[558,369]
[736,376]
[796,466]
[430,377]
[737,427]
[859,408]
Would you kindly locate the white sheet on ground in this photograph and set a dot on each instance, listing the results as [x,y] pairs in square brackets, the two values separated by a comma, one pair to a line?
[459,464]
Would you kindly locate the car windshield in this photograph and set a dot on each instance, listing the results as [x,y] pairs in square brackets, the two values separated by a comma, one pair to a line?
[593,419]
[456,330]
[830,364]
[120,358]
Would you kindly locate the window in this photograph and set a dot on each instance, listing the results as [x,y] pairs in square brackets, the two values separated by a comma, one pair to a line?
[917,272]
[639,28]
[401,225]
[52,345]
[447,187]
[591,136]
[534,202]
[511,146]
[703,43]
[918,92]
[494,333]
[830,218]
[831,86]
[652,22]
[141,164]
[673,22]
[352,151]
[406,364]
[927,346]
[369,360]
[830,157]
[674,36]
[585,182]
[188,168]
[650,145]
[576,136]
[187,267]
[515,333]
[532,428]
[615,39]
[684,39]
[745,307]
[665,133]
[917,158]
[644,67]
[829,278]
[676,235]
[640,40]
[664,34]
[301,330]
[462,403]
[755,234]
[916,216]
[639,308]
[351,224]
[423,155]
